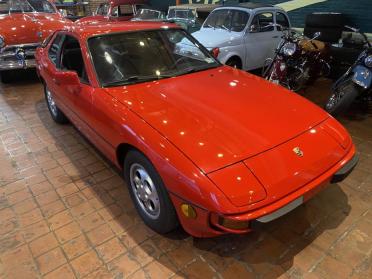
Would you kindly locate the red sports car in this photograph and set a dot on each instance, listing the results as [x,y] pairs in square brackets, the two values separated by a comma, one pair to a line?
[205,145]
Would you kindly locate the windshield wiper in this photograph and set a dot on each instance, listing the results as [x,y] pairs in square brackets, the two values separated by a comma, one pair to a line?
[135,79]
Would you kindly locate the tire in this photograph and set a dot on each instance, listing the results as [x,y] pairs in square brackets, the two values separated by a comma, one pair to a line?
[234,62]
[149,194]
[57,115]
[6,76]
[342,97]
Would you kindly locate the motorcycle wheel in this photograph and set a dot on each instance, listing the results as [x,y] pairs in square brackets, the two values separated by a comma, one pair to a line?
[342,97]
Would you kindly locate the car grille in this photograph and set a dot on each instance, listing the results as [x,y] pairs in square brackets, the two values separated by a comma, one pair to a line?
[8,53]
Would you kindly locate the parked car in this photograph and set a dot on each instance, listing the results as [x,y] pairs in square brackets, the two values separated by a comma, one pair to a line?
[243,36]
[24,24]
[114,10]
[190,16]
[149,15]
[199,143]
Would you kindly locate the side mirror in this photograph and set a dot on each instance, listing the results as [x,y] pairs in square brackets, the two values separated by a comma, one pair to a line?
[317,35]
[69,79]
[254,28]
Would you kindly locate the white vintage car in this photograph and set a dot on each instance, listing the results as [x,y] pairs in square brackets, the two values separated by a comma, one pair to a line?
[243,36]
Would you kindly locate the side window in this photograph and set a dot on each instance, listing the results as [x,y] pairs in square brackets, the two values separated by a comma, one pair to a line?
[282,20]
[239,20]
[263,22]
[102,9]
[125,10]
[72,58]
[54,49]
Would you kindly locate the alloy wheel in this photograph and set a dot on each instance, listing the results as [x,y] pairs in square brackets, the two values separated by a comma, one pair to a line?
[52,105]
[144,191]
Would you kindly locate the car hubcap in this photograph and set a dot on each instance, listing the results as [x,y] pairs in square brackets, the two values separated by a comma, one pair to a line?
[51,103]
[144,191]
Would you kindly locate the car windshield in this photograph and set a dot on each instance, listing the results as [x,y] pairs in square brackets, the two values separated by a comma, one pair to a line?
[182,13]
[148,14]
[231,20]
[29,6]
[134,57]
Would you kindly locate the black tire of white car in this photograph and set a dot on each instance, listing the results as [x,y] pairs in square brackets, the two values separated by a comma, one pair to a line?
[349,93]
[161,217]
[234,63]
[57,115]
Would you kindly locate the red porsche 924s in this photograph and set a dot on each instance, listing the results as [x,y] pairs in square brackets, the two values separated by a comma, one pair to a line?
[205,145]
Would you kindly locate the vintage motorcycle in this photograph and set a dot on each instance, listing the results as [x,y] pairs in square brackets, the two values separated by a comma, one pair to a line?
[356,83]
[298,61]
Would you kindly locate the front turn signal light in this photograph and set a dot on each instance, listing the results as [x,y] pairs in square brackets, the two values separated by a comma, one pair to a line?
[233,224]
[188,211]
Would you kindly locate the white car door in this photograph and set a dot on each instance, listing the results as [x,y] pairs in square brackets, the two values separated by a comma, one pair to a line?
[261,39]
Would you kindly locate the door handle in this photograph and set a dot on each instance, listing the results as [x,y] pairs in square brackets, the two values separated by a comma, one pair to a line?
[275,37]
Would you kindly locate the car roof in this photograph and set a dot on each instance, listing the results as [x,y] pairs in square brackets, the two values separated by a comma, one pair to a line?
[198,7]
[250,6]
[126,2]
[99,28]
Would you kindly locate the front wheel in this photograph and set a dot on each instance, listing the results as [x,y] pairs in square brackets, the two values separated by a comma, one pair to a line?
[342,97]
[57,115]
[149,193]
[6,76]
[234,62]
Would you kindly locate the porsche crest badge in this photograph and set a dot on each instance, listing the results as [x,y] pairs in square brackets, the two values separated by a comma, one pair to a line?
[298,152]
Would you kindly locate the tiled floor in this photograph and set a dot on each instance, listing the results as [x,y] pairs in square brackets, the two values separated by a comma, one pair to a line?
[65,213]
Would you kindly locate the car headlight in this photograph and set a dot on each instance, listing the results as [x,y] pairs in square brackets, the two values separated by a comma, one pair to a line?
[2,41]
[289,49]
[368,61]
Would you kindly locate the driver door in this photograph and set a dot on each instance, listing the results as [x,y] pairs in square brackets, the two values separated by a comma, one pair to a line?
[261,40]
[77,98]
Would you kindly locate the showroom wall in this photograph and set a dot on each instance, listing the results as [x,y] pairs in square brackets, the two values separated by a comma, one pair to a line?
[358,11]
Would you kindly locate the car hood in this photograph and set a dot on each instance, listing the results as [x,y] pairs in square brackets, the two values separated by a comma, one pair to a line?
[30,28]
[221,116]
[211,38]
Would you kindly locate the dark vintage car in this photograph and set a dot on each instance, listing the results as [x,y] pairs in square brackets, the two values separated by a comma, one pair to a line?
[114,10]
[24,24]
[190,16]
[149,15]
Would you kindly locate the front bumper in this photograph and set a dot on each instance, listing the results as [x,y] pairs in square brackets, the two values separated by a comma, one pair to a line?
[18,57]
[15,65]
[207,224]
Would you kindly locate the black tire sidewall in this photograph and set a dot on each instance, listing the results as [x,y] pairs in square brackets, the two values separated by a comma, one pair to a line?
[348,98]
[167,220]
[6,76]
[234,62]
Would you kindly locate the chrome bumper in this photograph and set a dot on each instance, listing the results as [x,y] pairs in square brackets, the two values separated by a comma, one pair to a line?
[18,57]
[15,65]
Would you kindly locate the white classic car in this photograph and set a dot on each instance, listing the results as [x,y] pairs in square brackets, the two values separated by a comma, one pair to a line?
[243,36]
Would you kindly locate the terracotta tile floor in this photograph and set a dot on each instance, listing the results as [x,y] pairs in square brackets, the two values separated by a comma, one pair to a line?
[65,213]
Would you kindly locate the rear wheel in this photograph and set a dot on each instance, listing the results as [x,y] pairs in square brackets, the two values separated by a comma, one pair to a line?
[149,193]
[57,115]
[234,62]
[342,97]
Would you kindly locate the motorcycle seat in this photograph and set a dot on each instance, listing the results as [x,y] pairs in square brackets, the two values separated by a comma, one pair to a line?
[314,45]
